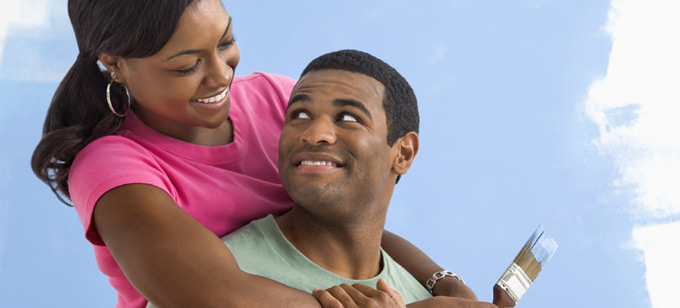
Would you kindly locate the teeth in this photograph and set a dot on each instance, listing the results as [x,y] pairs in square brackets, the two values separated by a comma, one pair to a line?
[214,99]
[317,163]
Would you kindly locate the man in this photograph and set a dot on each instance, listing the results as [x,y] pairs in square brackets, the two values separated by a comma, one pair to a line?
[350,133]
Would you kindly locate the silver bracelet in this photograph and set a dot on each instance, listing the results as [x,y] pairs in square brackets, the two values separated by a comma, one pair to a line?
[440,275]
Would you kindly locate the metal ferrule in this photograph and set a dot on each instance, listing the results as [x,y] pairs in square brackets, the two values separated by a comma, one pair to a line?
[515,282]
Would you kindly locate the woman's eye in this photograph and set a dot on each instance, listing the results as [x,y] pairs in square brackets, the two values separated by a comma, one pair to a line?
[348,118]
[227,43]
[191,69]
[300,115]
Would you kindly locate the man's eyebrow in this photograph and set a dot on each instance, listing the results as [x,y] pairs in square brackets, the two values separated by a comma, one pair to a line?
[342,102]
[298,98]
[338,102]
[195,51]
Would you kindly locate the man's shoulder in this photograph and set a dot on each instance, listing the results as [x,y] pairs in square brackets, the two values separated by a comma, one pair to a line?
[250,234]
[402,281]
[261,249]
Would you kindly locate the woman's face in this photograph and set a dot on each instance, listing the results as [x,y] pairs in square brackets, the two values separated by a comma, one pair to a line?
[183,90]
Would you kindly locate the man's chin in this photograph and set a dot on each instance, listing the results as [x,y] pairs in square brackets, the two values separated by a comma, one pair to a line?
[315,195]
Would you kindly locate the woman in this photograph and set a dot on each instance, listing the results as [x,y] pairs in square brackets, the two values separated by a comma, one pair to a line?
[165,151]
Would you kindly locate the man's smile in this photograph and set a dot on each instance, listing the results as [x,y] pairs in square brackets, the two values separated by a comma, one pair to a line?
[316,162]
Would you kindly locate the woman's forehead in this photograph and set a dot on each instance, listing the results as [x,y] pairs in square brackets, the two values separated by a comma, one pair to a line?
[202,25]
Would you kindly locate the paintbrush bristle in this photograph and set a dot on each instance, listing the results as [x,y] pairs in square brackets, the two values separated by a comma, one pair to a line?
[536,253]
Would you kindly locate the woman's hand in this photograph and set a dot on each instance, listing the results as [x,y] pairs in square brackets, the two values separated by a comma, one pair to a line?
[359,295]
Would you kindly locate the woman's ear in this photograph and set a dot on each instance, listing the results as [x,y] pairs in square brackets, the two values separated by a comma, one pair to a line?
[113,64]
[407,148]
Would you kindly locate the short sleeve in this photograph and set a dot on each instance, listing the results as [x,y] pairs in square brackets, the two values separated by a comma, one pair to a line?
[107,163]
[283,86]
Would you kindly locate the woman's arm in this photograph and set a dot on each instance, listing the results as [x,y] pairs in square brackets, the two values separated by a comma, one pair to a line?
[449,302]
[174,261]
[384,296]
[422,267]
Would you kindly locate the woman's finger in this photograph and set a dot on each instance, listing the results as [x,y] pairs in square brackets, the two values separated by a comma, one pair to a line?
[334,297]
[326,299]
[396,297]
[366,296]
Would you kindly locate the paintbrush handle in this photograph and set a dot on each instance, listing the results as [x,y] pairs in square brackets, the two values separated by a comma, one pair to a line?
[501,298]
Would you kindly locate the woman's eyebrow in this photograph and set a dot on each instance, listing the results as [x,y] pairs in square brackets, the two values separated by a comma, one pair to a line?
[195,51]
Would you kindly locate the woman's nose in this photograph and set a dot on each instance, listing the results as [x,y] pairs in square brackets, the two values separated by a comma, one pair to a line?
[218,74]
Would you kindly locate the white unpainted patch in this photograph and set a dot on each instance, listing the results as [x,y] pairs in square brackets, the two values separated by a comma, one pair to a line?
[660,244]
[636,108]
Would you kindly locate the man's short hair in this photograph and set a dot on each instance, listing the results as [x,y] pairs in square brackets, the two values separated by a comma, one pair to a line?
[399,101]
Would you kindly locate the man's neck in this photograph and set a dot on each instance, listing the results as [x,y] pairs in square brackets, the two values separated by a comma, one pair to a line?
[350,250]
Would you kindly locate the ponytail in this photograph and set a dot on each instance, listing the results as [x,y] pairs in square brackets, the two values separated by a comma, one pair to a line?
[78,114]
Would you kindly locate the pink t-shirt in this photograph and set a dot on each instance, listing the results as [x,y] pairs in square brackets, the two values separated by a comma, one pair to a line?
[223,187]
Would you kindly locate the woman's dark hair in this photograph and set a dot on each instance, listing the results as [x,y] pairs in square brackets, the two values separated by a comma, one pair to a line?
[78,113]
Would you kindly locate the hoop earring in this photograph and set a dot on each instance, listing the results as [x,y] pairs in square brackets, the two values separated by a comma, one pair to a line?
[108,99]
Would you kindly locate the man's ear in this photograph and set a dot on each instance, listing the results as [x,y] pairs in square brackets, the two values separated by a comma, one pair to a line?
[113,64]
[407,148]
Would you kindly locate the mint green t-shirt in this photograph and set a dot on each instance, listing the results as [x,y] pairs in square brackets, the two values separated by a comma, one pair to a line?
[260,248]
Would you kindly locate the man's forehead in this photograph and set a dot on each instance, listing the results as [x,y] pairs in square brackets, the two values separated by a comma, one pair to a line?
[339,83]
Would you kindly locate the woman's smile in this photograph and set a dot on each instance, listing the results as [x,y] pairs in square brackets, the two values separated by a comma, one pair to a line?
[214,99]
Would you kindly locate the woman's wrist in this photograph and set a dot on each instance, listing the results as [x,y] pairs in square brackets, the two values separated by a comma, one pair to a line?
[452,287]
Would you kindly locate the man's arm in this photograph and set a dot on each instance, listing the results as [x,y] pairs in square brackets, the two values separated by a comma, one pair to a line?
[420,266]
[174,261]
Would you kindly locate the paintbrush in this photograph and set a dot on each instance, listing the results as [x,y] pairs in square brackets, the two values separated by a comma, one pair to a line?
[524,269]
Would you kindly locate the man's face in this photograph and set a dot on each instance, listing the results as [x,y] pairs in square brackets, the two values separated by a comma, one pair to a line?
[333,149]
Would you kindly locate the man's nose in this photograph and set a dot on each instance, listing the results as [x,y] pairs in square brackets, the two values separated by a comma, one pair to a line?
[320,131]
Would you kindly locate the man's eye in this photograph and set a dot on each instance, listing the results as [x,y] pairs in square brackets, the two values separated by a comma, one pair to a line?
[300,115]
[348,118]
